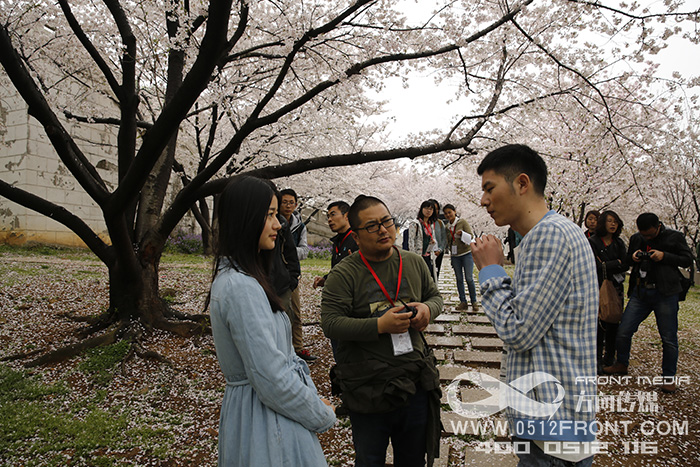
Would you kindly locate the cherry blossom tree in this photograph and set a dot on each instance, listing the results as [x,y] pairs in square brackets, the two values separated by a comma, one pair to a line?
[212,89]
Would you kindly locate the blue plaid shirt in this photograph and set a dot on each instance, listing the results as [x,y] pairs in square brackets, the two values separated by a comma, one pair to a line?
[546,317]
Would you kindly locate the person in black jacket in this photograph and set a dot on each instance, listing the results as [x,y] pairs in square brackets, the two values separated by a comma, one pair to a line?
[286,269]
[655,254]
[610,258]
[343,242]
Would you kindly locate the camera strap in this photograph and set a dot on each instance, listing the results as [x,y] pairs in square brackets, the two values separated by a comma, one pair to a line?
[376,278]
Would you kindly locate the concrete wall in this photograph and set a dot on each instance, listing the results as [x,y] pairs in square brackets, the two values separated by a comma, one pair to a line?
[28,161]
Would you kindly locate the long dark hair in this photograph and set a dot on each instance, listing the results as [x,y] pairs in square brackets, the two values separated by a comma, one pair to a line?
[242,211]
[428,204]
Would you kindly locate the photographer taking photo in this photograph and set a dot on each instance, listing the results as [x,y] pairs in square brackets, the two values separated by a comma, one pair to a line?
[655,254]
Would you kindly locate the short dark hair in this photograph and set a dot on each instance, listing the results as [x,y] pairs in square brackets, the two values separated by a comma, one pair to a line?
[361,203]
[601,230]
[428,203]
[647,221]
[342,205]
[289,192]
[242,210]
[594,212]
[448,206]
[512,160]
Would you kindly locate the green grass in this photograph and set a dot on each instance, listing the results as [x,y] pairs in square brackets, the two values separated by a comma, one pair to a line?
[316,265]
[82,254]
[101,361]
[39,423]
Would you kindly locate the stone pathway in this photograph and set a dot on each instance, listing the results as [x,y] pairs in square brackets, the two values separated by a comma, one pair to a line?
[462,342]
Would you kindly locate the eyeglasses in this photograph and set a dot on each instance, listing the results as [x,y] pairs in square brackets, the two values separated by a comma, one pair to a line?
[374,226]
[288,203]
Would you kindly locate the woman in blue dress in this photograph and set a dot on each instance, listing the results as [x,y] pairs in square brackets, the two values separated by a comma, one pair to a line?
[271,411]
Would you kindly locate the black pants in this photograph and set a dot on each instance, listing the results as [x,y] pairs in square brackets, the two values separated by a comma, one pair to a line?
[607,333]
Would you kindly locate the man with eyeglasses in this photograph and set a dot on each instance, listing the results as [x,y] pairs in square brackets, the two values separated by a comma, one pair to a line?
[376,303]
[288,205]
[655,254]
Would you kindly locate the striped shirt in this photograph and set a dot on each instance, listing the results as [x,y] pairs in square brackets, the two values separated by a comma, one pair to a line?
[546,316]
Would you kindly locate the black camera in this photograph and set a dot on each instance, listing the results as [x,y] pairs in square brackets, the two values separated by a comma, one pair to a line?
[644,255]
[409,309]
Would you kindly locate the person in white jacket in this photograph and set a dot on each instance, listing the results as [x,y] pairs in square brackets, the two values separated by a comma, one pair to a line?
[423,237]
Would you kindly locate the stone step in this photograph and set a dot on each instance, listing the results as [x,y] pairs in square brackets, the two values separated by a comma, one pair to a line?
[486,343]
[441,354]
[468,394]
[435,329]
[478,319]
[449,373]
[473,329]
[478,357]
[474,457]
[447,318]
[442,341]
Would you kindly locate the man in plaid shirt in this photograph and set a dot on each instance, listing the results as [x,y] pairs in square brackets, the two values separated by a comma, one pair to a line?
[546,315]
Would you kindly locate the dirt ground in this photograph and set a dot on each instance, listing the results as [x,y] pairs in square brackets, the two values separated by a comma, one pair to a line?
[36,291]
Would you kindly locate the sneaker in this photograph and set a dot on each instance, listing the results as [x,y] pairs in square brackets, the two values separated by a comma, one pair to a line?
[305,355]
[669,388]
[475,306]
[616,369]
[462,306]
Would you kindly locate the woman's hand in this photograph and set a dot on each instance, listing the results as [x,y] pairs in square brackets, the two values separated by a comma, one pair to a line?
[328,403]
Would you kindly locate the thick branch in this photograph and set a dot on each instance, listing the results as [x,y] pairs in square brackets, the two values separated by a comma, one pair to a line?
[155,140]
[186,198]
[59,214]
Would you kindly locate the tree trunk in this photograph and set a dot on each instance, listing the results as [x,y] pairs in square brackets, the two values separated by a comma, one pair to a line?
[136,297]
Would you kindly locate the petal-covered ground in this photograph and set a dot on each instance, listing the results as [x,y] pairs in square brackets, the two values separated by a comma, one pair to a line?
[173,409]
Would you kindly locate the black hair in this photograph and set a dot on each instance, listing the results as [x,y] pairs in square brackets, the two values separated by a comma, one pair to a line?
[449,206]
[428,203]
[514,159]
[361,203]
[647,221]
[242,212]
[593,212]
[289,192]
[601,229]
[342,205]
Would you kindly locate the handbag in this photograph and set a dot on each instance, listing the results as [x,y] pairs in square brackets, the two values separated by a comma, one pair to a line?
[610,307]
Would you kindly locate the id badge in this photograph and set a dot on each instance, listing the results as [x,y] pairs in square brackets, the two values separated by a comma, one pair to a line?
[402,343]
[454,249]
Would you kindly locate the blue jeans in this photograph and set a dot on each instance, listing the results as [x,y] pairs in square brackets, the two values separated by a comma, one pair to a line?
[405,426]
[538,458]
[464,268]
[641,304]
